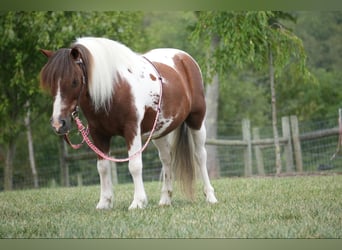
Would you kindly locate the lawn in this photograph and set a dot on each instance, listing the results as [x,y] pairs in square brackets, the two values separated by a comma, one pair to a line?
[286,207]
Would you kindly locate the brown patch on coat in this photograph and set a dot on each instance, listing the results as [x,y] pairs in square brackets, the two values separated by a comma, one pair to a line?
[148,120]
[183,92]
[153,78]
[120,119]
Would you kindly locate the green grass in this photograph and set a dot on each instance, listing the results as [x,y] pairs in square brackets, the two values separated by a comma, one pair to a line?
[289,207]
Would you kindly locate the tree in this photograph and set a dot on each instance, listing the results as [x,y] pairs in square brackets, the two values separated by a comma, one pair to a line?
[31,149]
[321,32]
[170,29]
[18,76]
[251,38]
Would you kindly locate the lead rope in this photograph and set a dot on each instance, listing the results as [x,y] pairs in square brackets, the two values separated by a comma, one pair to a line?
[75,146]
[84,131]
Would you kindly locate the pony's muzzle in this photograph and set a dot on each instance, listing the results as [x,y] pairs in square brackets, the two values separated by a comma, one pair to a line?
[61,126]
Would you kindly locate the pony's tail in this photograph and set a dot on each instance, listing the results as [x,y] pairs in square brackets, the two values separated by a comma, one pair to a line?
[183,159]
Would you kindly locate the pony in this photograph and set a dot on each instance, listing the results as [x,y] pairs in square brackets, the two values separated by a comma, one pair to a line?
[123,93]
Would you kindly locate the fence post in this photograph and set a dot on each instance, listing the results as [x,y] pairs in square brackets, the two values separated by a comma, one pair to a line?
[288,146]
[246,134]
[114,173]
[296,143]
[64,164]
[79,180]
[258,153]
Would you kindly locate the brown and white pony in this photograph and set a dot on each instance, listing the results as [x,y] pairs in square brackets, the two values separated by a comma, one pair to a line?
[120,97]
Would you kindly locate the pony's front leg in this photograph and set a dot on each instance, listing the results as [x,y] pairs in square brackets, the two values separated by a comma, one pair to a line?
[106,196]
[135,168]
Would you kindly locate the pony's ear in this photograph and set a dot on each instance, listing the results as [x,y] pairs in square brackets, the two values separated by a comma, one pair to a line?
[47,53]
[75,54]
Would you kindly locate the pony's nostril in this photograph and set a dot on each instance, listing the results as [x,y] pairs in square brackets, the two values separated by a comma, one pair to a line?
[60,125]
[63,122]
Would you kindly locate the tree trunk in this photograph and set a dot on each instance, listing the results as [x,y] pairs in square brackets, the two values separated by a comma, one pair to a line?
[8,170]
[274,114]
[212,95]
[212,98]
[31,150]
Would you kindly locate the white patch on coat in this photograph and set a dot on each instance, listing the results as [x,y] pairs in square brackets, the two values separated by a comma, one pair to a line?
[146,92]
[110,60]
[163,55]
[57,107]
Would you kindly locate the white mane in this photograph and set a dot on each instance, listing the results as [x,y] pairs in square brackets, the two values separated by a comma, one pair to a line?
[110,59]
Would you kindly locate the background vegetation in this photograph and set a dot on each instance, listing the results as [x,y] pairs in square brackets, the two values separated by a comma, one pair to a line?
[241,65]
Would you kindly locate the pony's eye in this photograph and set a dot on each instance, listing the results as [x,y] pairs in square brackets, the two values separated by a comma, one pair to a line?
[74,83]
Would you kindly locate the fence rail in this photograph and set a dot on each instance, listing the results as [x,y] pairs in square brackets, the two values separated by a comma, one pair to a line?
[254,148]
[301,152]
[251,154]
[289,140]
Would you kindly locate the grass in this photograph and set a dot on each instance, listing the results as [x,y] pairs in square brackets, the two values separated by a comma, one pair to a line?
[288,207]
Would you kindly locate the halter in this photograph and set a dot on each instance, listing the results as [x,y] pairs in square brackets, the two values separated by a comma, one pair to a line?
[84,82]
[85,130]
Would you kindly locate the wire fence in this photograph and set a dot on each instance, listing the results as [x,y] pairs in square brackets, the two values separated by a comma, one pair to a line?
[316,151]
[316,157]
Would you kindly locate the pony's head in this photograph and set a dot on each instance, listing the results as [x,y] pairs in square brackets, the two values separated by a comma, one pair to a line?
[64,76]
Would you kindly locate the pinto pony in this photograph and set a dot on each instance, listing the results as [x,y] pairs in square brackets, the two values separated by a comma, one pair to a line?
[122,93]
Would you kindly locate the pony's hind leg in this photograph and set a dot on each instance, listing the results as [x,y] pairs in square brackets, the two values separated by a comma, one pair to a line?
[199,137]
[163,147]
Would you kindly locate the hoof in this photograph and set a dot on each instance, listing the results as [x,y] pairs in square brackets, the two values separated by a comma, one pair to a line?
[105,204]
[138,204]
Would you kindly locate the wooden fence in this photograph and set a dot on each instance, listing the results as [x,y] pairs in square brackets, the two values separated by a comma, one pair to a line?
[290,141]
[251,144]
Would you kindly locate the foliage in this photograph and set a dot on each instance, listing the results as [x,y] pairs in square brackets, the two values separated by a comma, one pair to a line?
[321,33]
[296,207]
[297,98]
[24,33]
[16,80]
[329,98]
[170,30]
[244,39]
[241,98]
